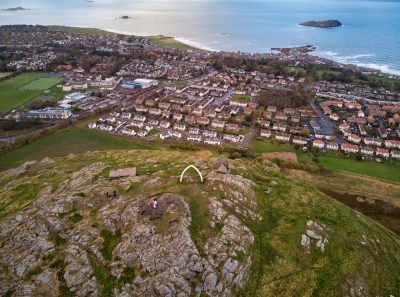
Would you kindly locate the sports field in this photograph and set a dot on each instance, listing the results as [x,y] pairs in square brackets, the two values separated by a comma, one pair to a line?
[16,91]
[42,84]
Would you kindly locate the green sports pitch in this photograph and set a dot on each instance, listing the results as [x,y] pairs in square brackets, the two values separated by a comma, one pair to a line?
[42,83]
[18,90]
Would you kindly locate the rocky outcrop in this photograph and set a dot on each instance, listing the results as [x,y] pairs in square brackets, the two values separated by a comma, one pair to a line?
[54,243]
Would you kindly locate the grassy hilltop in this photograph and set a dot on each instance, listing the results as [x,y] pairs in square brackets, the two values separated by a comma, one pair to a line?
[246,225]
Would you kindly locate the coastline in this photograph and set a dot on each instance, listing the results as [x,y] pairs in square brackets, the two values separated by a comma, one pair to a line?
[185,43]
[385,69]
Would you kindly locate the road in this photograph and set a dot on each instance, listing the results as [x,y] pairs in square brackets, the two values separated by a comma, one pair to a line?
[326,123]
[247,138]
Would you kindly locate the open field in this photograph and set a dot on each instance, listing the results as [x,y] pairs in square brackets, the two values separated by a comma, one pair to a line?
[13,93]
[42,84]
[383,171]
[74,139]
[267,147]
[171,42]
[78,30]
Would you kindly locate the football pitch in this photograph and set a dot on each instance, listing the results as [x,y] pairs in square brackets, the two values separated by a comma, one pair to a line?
[18,90]
[42,83]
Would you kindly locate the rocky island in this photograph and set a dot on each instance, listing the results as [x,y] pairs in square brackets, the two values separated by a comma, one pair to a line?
[15,8]
[322,24]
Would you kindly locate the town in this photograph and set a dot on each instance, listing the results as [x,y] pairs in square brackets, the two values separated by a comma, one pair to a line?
[133,87]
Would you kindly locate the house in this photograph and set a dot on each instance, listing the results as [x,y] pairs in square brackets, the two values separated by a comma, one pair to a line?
[175,134]
[354,138]
[196,138]
[212,141]
[153,122]
[126,115]
[356,120]
[194,131]
[218,124]
[362,129]
[279,127]
[190,119]
[392,144]
[318,144]
[203,121]
[333,146]
[139,118]
[231,138]
[349,148]
[177,117]
[272,109]
[210,134]
[372,141]
[164,105]
[233,128]
[164,135]
[368,151]
[179,127]
[283,137]
[265,124]
[164,124]
[395,154]
[266,133]
[281,117]
[166,114]
[334,117]
[142,133]
[141,108]
[136,124]
[352,105]
[382,152]
[300,140]
[295,118]
[268,115]
[155,111]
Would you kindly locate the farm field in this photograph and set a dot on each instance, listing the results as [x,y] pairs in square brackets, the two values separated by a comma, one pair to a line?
[13,91]
[75,139]
[382,171]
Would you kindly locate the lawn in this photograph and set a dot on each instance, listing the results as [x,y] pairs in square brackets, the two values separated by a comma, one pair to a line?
[241,98]
[384,171]
[13,93]
[170,42]
[75,139]
[42,84]
[267,147]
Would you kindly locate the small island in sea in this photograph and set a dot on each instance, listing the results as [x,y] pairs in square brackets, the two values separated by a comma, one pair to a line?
[15,8]
[322,24]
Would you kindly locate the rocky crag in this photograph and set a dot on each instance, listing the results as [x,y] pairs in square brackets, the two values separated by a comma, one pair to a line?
[248,231]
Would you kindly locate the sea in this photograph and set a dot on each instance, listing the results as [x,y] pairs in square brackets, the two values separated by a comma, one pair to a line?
[370,35]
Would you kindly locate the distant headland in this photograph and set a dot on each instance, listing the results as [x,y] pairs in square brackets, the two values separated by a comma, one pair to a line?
[322,24]
[15,8]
